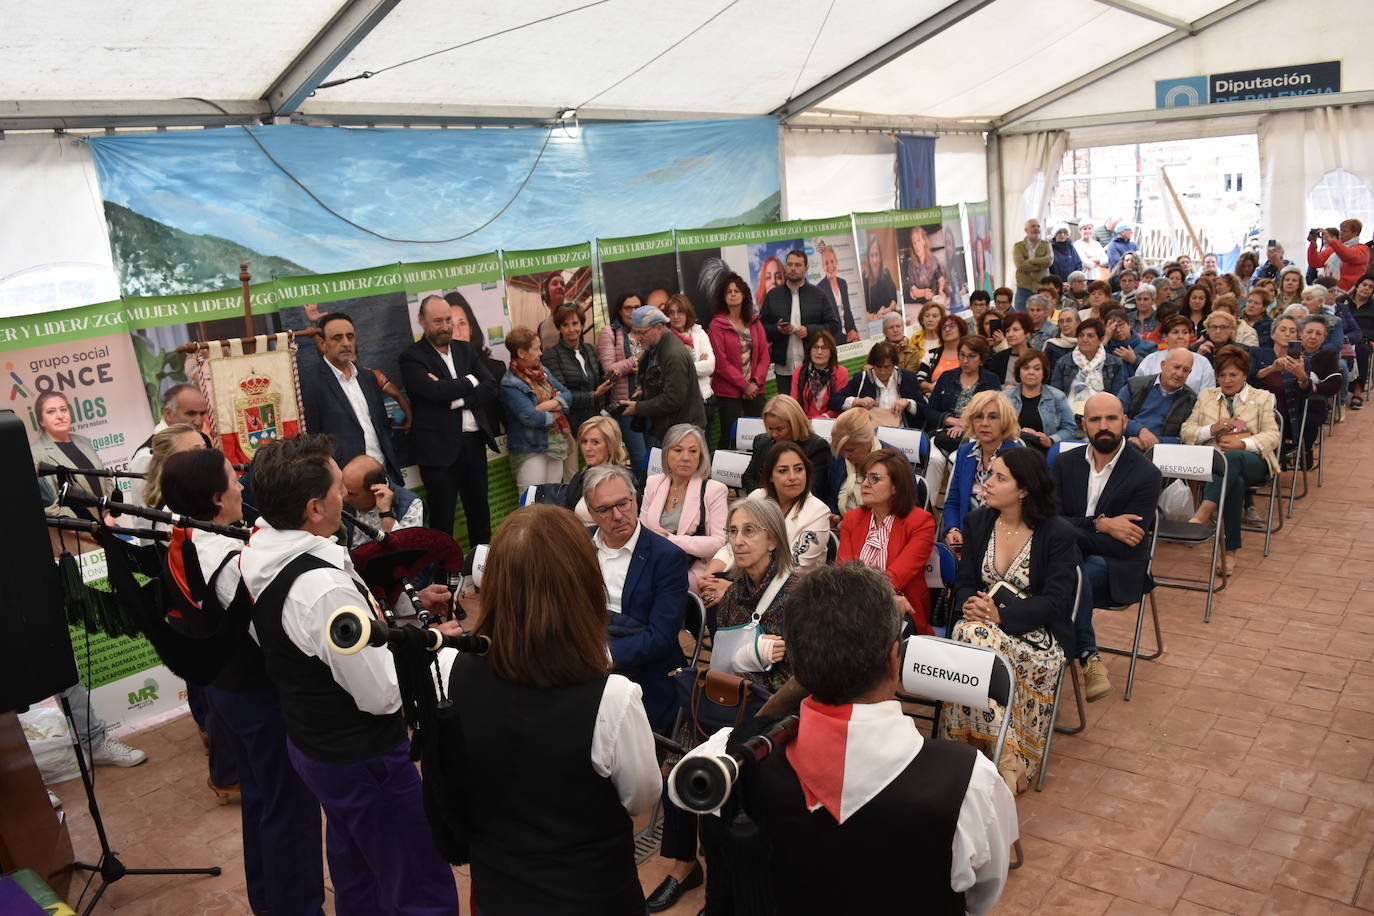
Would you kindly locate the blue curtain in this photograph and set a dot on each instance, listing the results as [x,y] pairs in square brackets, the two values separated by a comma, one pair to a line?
[915,172]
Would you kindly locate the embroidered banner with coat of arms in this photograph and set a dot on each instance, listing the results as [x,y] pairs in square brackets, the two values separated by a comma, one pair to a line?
[254,399]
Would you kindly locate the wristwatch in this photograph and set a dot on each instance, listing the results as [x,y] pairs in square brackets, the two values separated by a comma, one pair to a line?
[389,513]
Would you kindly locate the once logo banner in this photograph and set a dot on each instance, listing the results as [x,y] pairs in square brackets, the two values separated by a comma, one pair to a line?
[1181,93]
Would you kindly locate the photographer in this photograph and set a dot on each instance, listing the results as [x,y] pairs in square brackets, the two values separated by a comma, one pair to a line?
[668,392]
[858,767]
[1344,243]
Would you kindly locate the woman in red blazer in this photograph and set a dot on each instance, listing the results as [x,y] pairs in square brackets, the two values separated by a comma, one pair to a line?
[891,533]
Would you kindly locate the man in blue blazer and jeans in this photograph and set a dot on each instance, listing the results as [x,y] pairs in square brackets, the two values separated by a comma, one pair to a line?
[345,403]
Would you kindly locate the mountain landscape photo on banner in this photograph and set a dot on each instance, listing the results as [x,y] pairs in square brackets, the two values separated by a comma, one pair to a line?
[185,207]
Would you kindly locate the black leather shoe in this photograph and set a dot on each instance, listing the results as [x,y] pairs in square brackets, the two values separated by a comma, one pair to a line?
[670,889]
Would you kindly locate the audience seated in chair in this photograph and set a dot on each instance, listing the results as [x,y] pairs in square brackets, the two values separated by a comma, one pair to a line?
[1042,411]
[992,426]
[1014,594]
[806,519]
[1176,333]
[1108,492]
[1239,420]
[891,394]
[890,532]
[683,504]
[1157,405]
[1089,369]
[784,419]
[646,589]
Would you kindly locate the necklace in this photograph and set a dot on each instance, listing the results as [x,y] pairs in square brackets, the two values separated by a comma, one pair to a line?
[676,495]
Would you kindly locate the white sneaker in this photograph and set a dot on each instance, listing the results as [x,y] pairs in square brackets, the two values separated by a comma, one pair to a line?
[54,800]
[117,753]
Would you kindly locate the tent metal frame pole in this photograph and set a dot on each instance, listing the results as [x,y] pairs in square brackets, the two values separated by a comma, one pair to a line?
[1196,112]
[317,60]
[993,162]
[921,32]
[1146,12]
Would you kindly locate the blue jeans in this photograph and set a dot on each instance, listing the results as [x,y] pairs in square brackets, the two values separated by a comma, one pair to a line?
[1018,304]
[634,443]
[1095,586]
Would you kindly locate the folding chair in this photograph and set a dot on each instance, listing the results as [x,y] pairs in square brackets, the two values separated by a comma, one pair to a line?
[1059,448]
[744,432]
[964,675]
[822,426]
[1058,688]
[653,462]
[1272,483]
[941,569]
[912,443]
[728,467]
[832,548]
[1148,593]
[1199,463]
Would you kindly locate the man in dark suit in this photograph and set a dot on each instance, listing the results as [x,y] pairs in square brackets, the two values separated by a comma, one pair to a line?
[345,403]
[449,387]
[646,589]
[792,312]
[1108,492]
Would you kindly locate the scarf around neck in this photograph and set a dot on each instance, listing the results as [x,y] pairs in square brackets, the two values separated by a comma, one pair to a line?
[543,390]
[1090,369]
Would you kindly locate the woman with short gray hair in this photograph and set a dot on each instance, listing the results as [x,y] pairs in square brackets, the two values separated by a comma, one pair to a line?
[683,504]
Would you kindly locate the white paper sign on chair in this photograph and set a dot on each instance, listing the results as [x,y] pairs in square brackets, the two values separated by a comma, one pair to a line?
[822,427]
[728,467]
[1188,462]
[907,441]
[746,428]
[655,461]
[942,670]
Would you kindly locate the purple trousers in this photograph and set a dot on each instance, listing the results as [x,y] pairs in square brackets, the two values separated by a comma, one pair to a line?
[281,819]
[381,856]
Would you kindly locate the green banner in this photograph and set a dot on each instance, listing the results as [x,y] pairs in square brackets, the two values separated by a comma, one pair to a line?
[697,239]
[635,246]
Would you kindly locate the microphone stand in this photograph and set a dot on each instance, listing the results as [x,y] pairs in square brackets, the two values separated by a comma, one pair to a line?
[108,867]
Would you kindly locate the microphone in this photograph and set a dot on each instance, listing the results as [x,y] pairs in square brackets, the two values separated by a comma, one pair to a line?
[350,629]
[704,783]
[80,499]
[48,469]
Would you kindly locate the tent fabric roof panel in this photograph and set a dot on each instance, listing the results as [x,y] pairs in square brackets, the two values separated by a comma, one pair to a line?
[746,61]
[125,49]
[1006,54]
[1322,37]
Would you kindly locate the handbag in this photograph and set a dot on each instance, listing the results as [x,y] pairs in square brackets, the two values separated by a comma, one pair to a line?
[711,700]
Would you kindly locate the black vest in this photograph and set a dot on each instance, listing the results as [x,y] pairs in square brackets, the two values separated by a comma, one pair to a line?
[322,719]
[895,848]
[546,833]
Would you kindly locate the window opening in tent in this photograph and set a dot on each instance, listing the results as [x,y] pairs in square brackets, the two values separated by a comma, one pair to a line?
[60,285]
[1340,195]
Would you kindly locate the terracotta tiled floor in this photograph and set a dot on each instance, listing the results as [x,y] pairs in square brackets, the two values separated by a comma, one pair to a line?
[1237,780]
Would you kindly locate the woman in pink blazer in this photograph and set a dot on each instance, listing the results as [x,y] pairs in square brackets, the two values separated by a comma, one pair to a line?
[683,504]
[741,347]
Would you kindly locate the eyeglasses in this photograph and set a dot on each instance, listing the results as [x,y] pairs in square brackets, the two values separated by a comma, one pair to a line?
[749,531]
[1218,327]
[622,507]
[874,479]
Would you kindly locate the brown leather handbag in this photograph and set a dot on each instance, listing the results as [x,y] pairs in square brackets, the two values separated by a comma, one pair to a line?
[712,700]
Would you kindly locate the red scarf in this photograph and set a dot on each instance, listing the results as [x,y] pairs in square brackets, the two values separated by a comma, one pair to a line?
[684,336]
[543,390]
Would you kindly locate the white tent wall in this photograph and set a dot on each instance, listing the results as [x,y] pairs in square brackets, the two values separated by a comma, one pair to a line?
[54,219]
[1298,148]
[826,173]
[1029,169]
[1273,33]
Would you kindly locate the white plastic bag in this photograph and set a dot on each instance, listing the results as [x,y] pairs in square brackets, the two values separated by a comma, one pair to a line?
[51,743]
[1176,502]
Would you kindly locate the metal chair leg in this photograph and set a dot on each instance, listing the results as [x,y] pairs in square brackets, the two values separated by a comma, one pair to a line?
[1078,701]
[1134,652]
[1020,859]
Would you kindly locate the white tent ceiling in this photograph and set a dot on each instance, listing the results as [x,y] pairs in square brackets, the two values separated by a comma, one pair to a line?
[882,63]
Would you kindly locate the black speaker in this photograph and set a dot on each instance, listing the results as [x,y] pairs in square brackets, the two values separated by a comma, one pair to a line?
[36,658]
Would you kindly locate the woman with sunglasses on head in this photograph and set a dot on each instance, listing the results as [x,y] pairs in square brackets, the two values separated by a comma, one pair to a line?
[888,531]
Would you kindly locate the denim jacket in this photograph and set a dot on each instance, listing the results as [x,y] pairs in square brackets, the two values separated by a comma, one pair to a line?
[527,429]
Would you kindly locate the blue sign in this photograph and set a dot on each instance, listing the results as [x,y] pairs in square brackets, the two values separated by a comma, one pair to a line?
[1276,82]
[1246,85]
[1181,93]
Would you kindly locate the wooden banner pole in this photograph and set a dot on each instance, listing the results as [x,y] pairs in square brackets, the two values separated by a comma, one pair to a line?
[1187,223]
[245,278]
